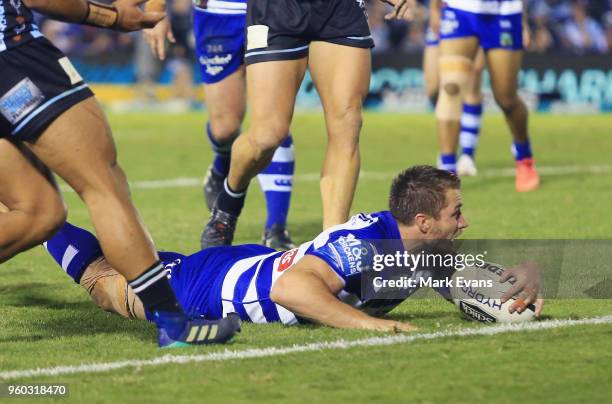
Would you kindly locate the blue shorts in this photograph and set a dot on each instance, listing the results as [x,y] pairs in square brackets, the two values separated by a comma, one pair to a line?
[493,31]
[220,42]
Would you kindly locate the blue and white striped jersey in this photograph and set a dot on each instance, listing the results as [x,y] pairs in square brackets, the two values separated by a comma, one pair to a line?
[238,279]
[221,6]
[494,7]
[16,24]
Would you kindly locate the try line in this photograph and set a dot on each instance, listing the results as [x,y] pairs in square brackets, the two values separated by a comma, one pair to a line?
[229,355]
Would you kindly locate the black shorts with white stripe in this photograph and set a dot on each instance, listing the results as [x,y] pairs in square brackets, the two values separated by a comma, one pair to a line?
[283,29]
[38,85]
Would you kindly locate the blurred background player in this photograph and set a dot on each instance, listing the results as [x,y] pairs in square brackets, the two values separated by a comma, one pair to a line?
[219,28]
[471,117]
[497,27]
[50,122]
[320,281]
[284,37]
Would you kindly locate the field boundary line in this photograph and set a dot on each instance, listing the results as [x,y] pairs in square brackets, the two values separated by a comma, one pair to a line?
[229,355]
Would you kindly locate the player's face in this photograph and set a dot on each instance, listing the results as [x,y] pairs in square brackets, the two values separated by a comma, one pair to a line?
[451,221]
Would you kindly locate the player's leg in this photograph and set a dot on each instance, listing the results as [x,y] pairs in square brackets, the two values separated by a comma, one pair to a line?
[276,181]
[341,75]
[431,71]
[31,208]
[504,66]
[219,43]
[456,66]
[226,105]
[80,256]
[271,89]
[471,119]
[78,146]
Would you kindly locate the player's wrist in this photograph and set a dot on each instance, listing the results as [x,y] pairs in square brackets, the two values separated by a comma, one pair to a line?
[101,15]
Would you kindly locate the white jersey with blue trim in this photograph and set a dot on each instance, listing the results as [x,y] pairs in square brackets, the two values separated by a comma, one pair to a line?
[246,285]
[489,7]
[234,7]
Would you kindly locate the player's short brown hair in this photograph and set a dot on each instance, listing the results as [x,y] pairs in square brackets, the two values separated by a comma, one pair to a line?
[420,189]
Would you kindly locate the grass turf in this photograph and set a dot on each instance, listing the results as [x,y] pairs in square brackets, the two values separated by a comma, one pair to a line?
[45,320]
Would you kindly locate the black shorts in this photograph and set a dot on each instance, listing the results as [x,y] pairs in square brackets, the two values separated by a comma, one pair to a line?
[38,84]
[283,29]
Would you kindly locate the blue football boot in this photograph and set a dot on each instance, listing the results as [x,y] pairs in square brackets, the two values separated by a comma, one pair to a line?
[176,330]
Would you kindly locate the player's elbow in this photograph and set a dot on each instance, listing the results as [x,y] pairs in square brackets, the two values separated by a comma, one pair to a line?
[278,293]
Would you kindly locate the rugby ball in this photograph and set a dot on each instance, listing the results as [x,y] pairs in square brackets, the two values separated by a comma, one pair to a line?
[477,291]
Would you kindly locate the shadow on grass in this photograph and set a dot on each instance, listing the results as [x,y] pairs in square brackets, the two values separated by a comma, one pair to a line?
[59,317]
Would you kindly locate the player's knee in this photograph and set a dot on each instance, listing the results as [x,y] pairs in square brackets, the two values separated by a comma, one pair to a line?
[507,102]
[344,123]
[225,127]
[265,139]
[47,220]
[455,74]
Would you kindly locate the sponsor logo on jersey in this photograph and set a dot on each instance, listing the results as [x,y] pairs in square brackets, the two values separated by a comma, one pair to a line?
[286,260]
[169,267]
[505,39]
[215,64]
[20,100]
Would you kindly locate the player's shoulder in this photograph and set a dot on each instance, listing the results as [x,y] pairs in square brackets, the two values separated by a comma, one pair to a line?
[377,226]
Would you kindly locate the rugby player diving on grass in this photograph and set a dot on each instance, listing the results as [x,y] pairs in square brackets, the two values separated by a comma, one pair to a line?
[320,281]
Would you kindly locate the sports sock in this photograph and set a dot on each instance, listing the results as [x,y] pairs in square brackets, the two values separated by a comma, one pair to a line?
[448,162]
[73,249]
[223,152]
[521,151]
[153,289]
[231,201]
[470,128]
[277,183]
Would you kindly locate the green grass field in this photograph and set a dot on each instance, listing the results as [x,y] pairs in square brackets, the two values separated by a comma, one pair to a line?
[47,321]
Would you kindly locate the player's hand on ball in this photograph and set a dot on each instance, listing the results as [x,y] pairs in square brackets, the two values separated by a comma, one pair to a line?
[526,287]
[156,37]
[402,9]
[131,18]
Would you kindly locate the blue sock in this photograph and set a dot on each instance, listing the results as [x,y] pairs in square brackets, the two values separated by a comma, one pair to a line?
[470,128]
[448,162]
[522,151]
[277,182]
[223,152]
[74,249]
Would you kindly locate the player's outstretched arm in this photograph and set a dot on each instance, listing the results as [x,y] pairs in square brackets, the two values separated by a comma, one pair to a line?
[309,290]
[122,15]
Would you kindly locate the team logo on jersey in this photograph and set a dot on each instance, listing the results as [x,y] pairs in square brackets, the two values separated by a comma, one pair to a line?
[449,23]
[20,100]
[286,260]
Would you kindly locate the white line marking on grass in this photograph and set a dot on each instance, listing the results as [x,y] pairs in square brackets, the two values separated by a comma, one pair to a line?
[228,355]
[183,182]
